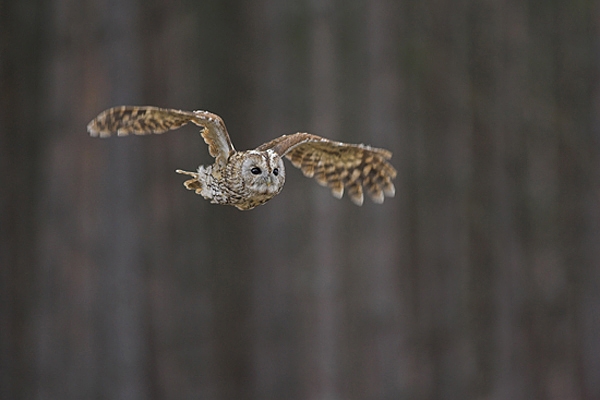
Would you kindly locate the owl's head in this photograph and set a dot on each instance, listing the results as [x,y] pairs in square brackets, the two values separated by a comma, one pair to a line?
[263,171]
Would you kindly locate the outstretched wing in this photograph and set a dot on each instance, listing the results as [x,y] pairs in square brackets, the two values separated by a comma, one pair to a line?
[125,120]
[339,165]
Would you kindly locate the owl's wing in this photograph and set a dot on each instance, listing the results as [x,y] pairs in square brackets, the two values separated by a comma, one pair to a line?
[125,120]
[339,165]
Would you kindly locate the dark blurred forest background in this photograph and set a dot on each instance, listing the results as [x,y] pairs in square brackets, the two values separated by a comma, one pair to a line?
[479,280]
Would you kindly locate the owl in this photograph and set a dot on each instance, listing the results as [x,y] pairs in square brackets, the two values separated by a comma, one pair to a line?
[246,179]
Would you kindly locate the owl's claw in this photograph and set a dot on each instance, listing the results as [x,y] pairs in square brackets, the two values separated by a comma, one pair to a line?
[191,184]
[182,172]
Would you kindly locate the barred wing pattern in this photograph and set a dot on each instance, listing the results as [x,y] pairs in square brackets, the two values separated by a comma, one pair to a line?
[339,165]
[125,120]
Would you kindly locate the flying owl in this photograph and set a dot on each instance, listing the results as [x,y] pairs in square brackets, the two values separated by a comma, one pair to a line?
[246,179]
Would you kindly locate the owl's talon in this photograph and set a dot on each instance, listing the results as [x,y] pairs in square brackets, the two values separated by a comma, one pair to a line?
[193,184]
[182,172]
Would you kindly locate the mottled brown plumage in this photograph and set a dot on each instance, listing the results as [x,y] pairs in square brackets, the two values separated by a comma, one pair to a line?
[249,178]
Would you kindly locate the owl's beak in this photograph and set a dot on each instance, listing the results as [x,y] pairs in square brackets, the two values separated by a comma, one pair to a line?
[270,182]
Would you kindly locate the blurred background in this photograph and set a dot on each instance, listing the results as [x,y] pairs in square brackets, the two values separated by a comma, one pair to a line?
[479,280]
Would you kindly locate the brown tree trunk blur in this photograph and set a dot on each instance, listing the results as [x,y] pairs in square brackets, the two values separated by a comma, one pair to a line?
[93,310]
[20,146]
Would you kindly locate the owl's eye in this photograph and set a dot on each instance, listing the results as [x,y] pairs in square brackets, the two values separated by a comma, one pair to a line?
[256,171]
[276,171]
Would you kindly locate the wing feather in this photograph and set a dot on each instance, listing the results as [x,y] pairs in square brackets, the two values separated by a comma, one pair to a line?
[125,120]
[339,165]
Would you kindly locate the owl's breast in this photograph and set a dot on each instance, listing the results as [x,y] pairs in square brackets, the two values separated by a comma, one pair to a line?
[246,198]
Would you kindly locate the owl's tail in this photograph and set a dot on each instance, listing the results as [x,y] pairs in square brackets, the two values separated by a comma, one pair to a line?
[191,184]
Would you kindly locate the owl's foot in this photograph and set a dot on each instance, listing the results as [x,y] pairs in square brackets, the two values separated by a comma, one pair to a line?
[191,184]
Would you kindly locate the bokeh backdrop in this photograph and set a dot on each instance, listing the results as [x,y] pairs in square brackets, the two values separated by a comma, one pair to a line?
[479,280]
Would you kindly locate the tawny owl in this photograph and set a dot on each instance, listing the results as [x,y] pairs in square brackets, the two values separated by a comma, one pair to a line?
[246,179]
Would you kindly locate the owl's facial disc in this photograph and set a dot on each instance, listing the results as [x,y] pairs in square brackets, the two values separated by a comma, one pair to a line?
[263,171]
